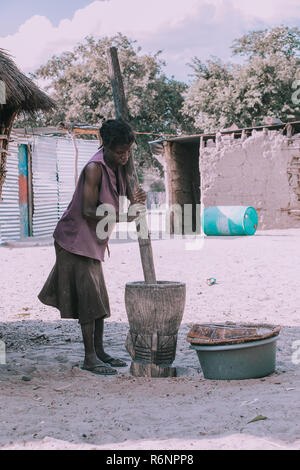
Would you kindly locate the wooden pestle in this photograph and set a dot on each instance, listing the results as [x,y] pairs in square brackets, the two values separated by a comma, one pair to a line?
[121,111]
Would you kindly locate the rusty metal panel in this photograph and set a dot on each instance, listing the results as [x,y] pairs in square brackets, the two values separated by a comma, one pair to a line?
[9,207]
[45,186]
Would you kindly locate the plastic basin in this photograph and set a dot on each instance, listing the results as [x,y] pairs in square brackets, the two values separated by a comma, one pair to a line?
[250,360]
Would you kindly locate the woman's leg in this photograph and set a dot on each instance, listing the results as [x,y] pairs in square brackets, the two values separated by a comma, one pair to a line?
[99,348]
[98,338]
[88,331]
[91,360]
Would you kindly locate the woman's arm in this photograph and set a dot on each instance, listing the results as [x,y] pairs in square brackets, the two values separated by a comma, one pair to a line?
[93,173]
[92,181]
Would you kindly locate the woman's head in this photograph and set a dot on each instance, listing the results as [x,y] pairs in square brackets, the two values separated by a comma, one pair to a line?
[117,139]
[116,132]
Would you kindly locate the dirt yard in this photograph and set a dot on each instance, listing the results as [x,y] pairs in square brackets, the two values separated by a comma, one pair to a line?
[48,402]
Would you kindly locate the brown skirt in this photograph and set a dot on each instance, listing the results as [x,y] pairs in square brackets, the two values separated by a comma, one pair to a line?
[76,287]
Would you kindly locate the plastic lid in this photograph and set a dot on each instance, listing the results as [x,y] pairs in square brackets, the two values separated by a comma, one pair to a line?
[250,221]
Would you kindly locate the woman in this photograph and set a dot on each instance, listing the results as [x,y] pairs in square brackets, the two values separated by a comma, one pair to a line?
[76,284]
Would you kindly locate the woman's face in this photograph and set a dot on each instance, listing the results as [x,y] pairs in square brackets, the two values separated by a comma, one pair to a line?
[119,154]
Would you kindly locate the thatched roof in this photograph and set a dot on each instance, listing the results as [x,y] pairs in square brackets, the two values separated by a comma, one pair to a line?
[21,93]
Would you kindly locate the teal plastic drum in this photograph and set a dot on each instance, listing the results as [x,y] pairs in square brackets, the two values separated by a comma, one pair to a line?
[229,220]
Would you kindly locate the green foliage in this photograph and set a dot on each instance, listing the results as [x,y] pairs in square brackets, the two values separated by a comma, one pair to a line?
[79,82]
[222,94]
[157,186]
[265,43]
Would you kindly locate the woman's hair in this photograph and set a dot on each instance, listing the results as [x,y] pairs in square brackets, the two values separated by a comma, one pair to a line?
[116,132]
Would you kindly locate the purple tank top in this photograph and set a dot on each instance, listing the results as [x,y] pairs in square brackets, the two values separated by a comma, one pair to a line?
[74,232]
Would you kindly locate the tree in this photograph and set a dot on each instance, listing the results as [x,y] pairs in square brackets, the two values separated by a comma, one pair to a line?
[265,43]
[222,94]
[210,100]
[79,82]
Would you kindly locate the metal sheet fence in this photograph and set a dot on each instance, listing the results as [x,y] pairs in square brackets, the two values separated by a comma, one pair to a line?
[65,166]
[45,186]
[52,183]
[9,206]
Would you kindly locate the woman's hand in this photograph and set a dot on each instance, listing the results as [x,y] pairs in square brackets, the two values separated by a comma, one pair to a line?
[135,211]
[139,196]
[137,208]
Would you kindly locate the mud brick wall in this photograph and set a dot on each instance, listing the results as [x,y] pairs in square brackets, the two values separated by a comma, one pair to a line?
[262,171]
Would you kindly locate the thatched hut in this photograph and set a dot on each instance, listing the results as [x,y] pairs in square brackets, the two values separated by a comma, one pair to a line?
[18,93]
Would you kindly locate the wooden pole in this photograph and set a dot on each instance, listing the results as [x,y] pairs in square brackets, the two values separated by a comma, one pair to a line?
[5,130]
[76,159]
[121,111]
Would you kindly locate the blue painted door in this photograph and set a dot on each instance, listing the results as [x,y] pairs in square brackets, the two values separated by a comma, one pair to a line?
[23,191]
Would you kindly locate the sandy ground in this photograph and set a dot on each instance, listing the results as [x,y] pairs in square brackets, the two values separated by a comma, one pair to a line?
[59,406]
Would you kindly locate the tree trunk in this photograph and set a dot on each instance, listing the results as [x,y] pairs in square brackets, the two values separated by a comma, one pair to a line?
[5,131]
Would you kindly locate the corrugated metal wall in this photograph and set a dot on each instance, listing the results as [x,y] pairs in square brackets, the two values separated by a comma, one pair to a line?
[52,183]
[65,164]
[9,207]
[53,178]
[86,150]
[44,185]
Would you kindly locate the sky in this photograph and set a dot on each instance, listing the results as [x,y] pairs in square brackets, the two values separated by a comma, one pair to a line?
[35,30]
